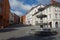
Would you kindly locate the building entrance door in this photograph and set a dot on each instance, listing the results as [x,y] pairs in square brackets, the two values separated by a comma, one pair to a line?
[0,21]
[51,24]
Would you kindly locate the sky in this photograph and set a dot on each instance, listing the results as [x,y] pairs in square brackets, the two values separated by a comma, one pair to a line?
[21,7]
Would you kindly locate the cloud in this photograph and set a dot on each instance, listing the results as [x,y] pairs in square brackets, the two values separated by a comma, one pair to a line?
[44,1]
[39,0]
[18,5]
[17,13]
[27,7]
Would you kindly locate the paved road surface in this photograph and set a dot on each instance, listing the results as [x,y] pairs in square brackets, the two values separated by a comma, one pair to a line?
[18,32]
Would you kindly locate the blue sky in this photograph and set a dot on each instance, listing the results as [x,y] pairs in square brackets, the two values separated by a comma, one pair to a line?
[20,7]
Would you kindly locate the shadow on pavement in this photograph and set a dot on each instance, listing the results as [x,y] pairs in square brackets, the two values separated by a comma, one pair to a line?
[34,38]
[46,33]
[6,30]
[17,25]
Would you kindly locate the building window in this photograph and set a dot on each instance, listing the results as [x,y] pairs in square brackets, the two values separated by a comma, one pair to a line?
[59,15]
[36,22]
[56,15]
[50,24]
[29,22]
[57,9]
[50,15]
[46,10]
[49,9]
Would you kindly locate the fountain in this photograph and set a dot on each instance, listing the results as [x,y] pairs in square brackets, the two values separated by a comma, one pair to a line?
[42,30]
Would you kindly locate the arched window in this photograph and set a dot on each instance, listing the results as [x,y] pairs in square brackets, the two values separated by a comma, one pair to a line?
[41,26]
[50,24]
[56,24]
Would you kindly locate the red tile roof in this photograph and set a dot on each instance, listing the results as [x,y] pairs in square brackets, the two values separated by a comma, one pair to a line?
[54,2]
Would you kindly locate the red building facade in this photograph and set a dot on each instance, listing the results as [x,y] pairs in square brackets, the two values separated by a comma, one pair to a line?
[23,19]
[16,18]
[4,13]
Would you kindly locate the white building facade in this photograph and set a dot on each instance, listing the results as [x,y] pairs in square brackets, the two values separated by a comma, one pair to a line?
[53,15]
[11,18]
[30,19]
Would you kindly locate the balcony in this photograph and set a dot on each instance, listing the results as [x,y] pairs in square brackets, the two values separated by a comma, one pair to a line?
[41,16]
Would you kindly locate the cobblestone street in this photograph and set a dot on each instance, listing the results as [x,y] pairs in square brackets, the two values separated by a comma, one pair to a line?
[18,32]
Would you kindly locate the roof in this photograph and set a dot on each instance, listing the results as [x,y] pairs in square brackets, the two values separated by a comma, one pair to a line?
[40,9]
[55,2]
[30,10]
[33,8]
[52,3]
